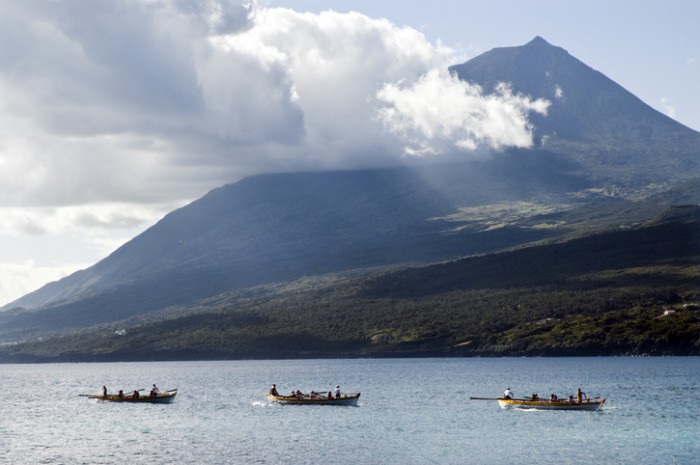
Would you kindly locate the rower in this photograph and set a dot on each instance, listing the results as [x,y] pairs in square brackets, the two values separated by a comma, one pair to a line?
[508,394]
[273,390]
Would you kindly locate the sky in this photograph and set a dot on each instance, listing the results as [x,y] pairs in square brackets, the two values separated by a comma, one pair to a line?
[113,113]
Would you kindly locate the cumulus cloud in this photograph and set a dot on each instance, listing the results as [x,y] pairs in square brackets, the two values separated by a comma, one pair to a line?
[145,99]
[438,111]
[668,106]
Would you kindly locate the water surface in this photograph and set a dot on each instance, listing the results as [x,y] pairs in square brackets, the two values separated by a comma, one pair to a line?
[412,411]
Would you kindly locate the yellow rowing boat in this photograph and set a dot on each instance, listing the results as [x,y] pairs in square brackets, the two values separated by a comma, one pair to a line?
[594,403]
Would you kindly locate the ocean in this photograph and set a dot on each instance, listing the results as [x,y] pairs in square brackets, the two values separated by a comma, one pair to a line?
[412,411]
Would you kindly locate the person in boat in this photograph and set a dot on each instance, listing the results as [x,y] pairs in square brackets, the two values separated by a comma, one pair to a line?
[330,395]
[155,391]
[553,398]
[580,395]
[337,392]
[535,396]
[121,394]
[571,399]
[508,394]
[104,391]
[135,395]
[273,390]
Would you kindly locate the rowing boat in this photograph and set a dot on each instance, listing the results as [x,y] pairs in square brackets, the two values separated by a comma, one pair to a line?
[345,399]
[160,398]
[594,403]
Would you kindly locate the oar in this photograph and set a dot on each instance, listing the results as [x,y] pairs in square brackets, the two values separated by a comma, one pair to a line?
[486,398]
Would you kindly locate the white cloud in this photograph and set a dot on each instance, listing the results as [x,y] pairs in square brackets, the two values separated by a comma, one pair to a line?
[668,106]
[439,112]
[558,93]
[18,279]
[78,219]
[146,100]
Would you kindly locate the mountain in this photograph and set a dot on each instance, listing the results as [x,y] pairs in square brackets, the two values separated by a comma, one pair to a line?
[601,156]
[592,120]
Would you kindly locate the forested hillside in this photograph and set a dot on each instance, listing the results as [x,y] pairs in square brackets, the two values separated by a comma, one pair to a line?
[625,292]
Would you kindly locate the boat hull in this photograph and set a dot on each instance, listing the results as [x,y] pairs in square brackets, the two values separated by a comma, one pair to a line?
[588,404]
[163,398]
[343,400]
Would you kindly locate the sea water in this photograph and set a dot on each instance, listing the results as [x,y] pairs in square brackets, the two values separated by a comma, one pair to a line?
[412,411]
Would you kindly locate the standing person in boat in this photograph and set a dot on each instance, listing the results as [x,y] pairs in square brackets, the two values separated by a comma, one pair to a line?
[337,392]
[155,391]
[580,395]
[508,394]
[273,390]
[104,391]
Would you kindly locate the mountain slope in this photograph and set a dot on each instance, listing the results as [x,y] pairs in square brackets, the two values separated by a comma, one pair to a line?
[278,227]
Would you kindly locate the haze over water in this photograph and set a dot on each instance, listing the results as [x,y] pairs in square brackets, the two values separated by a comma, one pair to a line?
[412,411]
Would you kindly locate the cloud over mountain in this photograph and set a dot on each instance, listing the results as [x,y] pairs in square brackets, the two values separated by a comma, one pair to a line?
[440,109]
[130,101]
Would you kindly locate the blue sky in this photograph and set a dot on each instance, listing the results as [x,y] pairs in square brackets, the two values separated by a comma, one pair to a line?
[113,113]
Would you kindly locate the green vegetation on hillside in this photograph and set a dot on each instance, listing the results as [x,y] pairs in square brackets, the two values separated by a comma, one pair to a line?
[627,292]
